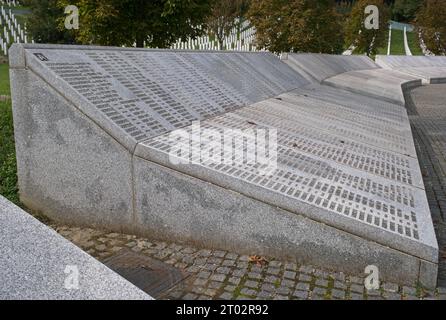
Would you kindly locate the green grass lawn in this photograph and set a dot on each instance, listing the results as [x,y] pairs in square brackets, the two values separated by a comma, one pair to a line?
[8,167]
[397,45]
[414,44]
[4,79]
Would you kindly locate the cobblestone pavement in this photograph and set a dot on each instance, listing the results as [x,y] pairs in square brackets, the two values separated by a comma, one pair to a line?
[216,274]
[426,107]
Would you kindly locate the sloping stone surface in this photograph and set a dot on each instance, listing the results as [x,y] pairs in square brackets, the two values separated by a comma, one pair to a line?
[322,66]
[34,261]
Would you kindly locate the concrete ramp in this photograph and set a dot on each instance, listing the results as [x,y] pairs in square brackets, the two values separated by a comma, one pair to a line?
[429,69]
[156,143]
[386,85]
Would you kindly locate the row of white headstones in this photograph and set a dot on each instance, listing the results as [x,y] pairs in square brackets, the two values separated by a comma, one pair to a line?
[12,31]
[10,3]
[240,38]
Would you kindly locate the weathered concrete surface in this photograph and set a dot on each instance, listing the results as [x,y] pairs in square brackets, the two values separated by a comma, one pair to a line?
[430,69]
[387,85]
[34,261]
[68,167]
[346,162]
[322,66]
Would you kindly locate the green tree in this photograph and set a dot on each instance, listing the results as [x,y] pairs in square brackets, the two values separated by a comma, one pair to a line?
[155,23]
[406,10]
[297,25]
[365,39]
[431,21]
[42,22]
[224,16]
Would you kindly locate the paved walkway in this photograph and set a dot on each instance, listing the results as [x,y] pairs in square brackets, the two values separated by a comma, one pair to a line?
[426,107]
[227,275]
[216,274]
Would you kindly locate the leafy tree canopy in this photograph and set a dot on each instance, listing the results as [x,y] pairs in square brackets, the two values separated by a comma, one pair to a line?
[431,19]
[405,10]
[367,40]
[297,25]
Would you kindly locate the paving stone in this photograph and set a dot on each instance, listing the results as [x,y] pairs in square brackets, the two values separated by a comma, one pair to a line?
[410,297]
[275,263]
[265,295]
[234,280]
[373,293]
[205,253]
[306,269]
[319,291]
[200,282]
[338,276]
[303,286]
[338,294]
[357,288]
[340,285]
[193,269]
[204,274]
[231,256]
[391,296]
[409,291]
[321,283]
[218,277]
[228,263]
[300,294]
[268,287]
[219,253]
[239,273]
[356,280]
[356,296]
[210,292]
[215,285]
[251,284]
[281,297]
[321,274]
[305,278]
[224,270]
[291,266]
[190,296]
[390,287]
[255,275]
[248,292]
[272,279]
[230,288]
[215,260]
[226,296]
[289,274]
[283,291]
[288,283]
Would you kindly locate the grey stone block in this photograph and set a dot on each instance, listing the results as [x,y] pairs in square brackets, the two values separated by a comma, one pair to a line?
[68,168]
[36,263]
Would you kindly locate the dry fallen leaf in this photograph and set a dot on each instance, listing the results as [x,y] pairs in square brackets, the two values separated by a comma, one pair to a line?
[260,261]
